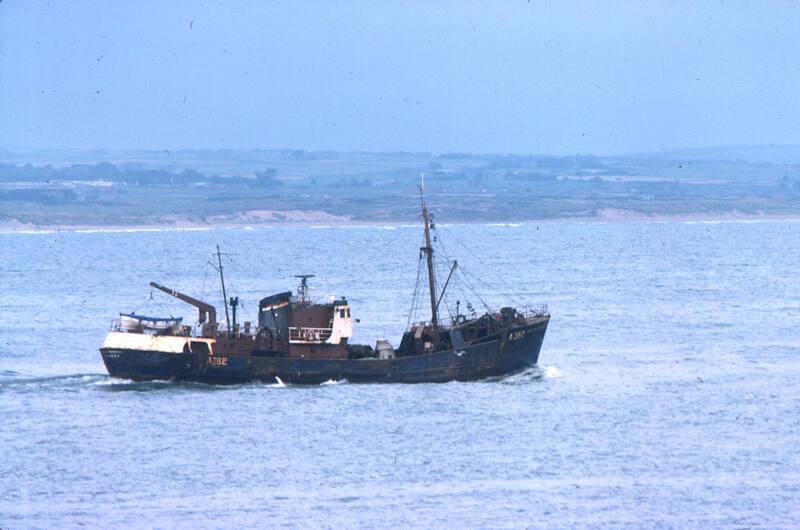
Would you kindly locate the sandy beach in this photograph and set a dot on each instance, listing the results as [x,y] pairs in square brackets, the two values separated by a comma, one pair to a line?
[275,218]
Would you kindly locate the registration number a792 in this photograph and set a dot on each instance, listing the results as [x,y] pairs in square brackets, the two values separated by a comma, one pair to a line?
[217,361]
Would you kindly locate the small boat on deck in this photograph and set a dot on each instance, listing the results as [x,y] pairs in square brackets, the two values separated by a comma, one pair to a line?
[298,340]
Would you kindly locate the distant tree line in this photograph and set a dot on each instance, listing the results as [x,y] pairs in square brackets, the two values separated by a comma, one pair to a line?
[39,195]
[106,171]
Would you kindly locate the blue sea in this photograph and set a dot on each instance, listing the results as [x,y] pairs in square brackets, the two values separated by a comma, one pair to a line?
[667,393]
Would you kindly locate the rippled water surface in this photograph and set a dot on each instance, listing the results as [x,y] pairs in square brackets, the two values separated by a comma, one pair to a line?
[668,391]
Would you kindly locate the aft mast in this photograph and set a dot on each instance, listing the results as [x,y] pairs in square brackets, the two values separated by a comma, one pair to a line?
[428,249]
[224,294]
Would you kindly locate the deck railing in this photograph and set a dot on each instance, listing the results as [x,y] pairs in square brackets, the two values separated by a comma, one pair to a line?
[183,330]
[535,311]
[528,311]
[310,334]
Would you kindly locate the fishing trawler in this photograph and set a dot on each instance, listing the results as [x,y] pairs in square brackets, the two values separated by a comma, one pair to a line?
[297,340]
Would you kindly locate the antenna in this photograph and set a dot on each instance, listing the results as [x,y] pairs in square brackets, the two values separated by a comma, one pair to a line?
[302,289]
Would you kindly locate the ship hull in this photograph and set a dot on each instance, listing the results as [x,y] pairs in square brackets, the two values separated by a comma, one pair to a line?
[511,351]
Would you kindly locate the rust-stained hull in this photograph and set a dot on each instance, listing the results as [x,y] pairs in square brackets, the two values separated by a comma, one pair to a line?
[514,349]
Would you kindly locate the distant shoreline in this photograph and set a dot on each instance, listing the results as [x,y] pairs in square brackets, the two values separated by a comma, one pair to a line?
[177,224]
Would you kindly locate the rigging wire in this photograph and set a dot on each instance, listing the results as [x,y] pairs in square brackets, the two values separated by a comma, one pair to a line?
[412,309]
[489,269]
[359,248]
[460,277]
[459,285]
[234,268]
[205,278]
[474,291]
[147,304]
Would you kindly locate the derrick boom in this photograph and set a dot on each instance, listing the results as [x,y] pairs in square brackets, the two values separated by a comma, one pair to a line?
[203,308]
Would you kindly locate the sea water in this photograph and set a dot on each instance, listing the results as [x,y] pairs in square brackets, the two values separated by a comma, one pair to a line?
[667,393]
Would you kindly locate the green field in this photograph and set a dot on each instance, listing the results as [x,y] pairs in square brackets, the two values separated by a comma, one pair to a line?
[98,188]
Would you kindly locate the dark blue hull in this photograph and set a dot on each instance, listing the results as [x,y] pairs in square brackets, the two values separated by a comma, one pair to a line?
[513,350]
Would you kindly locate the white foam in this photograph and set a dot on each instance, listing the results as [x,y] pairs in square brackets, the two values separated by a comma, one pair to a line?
[334,382]
[551,372]
[27,232]
[114,382]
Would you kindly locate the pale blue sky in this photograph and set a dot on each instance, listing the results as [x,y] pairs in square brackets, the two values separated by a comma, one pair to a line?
[515,76]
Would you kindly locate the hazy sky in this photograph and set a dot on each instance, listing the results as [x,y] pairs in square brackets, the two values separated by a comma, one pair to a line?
[509,76]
